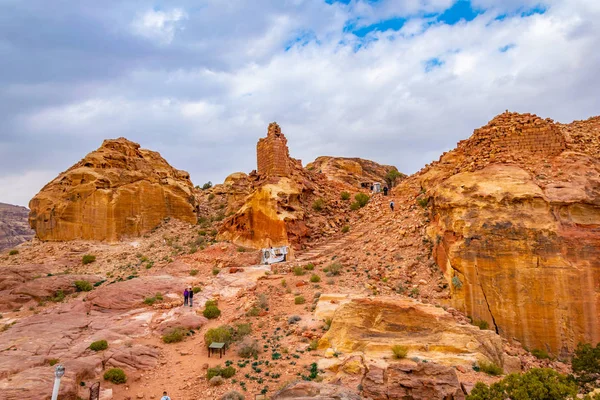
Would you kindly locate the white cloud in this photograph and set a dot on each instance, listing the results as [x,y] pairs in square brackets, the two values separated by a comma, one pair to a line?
[159,26]
[19,189]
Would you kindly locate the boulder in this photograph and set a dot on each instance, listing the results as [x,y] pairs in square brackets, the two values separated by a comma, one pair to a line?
[116,191]
[315,391]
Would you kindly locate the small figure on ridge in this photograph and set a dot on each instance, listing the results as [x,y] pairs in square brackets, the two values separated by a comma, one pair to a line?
[186,294]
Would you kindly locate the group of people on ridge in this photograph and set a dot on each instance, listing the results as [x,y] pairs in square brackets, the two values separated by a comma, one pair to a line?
[188,297]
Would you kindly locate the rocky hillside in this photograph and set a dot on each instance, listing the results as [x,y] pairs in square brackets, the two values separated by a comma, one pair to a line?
[352,171]
[14,228]
[116,191]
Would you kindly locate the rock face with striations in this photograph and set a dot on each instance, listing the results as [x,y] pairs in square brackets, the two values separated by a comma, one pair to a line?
[13,226]
[116,191]
[516,228]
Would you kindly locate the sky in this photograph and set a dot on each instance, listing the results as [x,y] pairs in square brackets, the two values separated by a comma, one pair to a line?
[395,81]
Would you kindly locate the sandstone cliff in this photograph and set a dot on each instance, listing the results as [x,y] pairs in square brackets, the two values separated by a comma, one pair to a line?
[118,190]
[14,228]
[515,223]
[352,171]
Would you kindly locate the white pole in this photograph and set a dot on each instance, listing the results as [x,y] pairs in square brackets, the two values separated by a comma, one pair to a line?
[58,373]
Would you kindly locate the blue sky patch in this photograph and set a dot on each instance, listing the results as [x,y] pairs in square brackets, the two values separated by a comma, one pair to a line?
[432,64]
[301,40]
[461,10]
[394,24]
[506,48]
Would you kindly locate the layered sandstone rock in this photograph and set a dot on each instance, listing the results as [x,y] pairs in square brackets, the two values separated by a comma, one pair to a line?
[352,171]
[118,190]
[14,228]
[316,391]
[373,326]
[515,214]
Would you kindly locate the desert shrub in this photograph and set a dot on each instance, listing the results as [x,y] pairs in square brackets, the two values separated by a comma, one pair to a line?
[354,206]
[175,335]
[207,185]
[456,282]
[83,286]
[194,272]
[293,319]
[115,375]
[361,199]
[298,271]
[13,252]
[490,368]
[150,300]
[263,301]
[314,278]
[242,330]
[216,381]
[196,289]
[423,201]
[535,384]
[88,259]
[309,267]
[318,205]
[299,300]
[482,324]
[399,351]
[226,372]
[335,269]
[253,312]
[99,345]
[345,196]
[53,361]
[314,344]
[391,177]
[222,334]
[233,395]
[248,348]
[211,303]
[211,312]
[540,354]
[586,365]
[211,196]
[216,270]
[59,296]
[345,229]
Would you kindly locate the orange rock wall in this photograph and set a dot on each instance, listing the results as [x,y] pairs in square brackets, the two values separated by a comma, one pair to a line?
[116,191]
[272,153]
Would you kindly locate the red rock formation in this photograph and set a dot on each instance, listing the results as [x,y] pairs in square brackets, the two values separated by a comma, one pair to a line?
[118,190]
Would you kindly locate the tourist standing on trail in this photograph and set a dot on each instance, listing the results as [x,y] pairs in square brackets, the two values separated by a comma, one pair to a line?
[191,294]
[165,397]
[385,190]
[392,205]
[186,294]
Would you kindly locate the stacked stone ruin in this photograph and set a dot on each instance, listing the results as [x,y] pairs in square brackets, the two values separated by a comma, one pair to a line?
[272,153]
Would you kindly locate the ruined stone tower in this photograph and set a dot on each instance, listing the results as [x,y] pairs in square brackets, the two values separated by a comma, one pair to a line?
[272,153]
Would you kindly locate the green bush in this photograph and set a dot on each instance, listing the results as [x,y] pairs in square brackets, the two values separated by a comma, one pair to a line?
[210,303]
[399,351]
[83,286]
[490,368]
[482,324]
[335,269]
[88,259]
[207,185]
[53,361]
[586,365]
[318,205]
[216,270]
[536,384]
[298,271]
[456,282]
[242,330]
[309,267]
[361,199]
[13,252]
[59,296]
[150,300]
[423,201]
[194,272]
[354,206]
[392,176]
[175,335]
[314,344]
[253,312]
[314,278]
[226,372]
[222,334]
[345,229]
[99,345]
[115,375]
[211,312]
[540,354]
[345,196]
[196,289]
[299,300]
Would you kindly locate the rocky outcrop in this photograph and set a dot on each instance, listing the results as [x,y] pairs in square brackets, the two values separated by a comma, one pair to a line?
[373,326]
[14,228]
[352,171]
[516,228]
[412,380]
[316,391]
[116,191]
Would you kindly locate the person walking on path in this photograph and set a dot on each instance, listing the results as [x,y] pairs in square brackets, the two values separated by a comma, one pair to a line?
[191,295]
[392,205]
[186,294]
[165,397]
[385,190]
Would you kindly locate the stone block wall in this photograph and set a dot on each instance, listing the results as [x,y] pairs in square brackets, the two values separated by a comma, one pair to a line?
[272,153]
